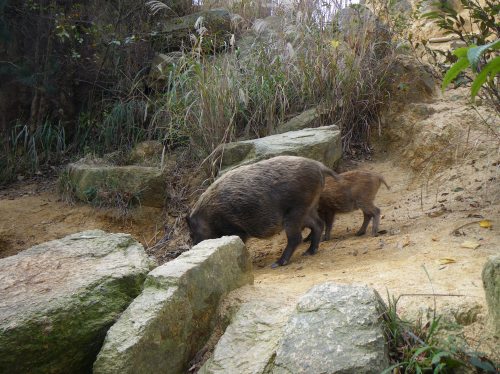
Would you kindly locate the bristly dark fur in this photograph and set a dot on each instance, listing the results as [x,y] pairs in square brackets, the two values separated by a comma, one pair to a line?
[260,200]
[354,190]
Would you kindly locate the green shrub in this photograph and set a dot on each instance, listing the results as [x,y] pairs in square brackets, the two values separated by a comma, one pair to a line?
[415,347]
[481,35]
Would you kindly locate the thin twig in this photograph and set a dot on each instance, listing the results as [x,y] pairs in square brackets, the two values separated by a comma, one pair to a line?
[432,294]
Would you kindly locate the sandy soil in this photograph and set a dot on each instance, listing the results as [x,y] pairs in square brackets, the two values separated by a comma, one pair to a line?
[428,222]
[34,213]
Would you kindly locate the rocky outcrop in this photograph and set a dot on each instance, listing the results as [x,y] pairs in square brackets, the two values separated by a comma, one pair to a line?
[333,329]
[175,34]
[322,144]
[117,185]
[173,317]
[59,298]
[491,284]
[307,119]
[146,153]
[412,80]
[251,340]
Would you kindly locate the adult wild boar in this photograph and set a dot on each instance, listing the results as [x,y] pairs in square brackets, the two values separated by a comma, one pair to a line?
[352,190]
[260,200]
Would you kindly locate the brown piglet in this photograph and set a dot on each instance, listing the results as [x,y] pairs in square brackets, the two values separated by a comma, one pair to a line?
[355,190]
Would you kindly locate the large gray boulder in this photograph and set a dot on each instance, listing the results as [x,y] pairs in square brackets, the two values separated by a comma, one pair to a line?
[174,316]
[491,284]
[59,298]
[123,185]
[251,340]
[332,329]
[321,144]
[335,329]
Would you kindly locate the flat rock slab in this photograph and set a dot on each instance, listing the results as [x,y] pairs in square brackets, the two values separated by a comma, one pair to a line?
[335,329]
[321,144]
[175,314]
[59,298]
[249,343]
[105,183]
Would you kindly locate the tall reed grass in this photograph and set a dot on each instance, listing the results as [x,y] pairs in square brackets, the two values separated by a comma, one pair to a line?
[280,67]
[305,55]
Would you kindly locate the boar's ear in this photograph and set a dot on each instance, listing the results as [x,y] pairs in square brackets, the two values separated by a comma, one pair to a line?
[187,219]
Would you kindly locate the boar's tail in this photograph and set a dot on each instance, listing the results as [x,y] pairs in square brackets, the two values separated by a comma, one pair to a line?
[330,172]
[384,182]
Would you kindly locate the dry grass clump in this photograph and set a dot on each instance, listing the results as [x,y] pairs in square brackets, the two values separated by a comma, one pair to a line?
[279,67]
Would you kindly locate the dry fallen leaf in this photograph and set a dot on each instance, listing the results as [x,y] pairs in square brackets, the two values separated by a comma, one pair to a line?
[485,223]
[445,261]
[470,244]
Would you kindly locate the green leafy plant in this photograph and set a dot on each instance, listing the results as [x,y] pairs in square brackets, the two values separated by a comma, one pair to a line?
[476,29]
[417,348]
[471,57]
[483,16]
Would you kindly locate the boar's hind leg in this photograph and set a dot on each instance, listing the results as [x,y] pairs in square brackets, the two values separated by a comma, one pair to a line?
[366,220]
[316,225]
[376,221]
[293,234]
[328,217]
[370,212]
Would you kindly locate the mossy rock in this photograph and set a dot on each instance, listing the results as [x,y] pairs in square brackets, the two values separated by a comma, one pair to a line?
[172,319]
[127,185]
[322,144]
[59,298]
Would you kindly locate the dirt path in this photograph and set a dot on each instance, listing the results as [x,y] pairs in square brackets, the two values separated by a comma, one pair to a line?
[34,213]
[420,255]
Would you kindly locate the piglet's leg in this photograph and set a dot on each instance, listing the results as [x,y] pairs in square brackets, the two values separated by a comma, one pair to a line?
[328,217]
[316,225]
[366,220]
[376,221]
